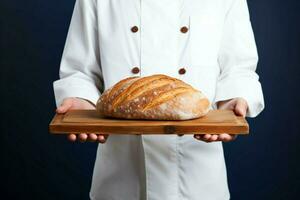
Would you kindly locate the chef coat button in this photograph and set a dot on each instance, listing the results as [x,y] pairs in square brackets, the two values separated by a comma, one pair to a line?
[134,29]
[135,70]
[184,29]
[182,71]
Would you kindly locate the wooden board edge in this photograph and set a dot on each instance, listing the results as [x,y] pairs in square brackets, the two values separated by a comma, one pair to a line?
[56,121]
[57,126]
[72,128]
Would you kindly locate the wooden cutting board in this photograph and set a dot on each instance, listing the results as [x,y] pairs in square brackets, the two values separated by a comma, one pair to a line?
[88,121]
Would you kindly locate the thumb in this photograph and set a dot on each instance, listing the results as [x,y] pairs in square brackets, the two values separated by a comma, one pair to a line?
[241,108]
[65,106]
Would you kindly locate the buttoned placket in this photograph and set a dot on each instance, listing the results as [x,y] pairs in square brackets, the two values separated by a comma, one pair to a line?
[135,32]
[184,62]
[182,33]
[149,26]
[180,36]
[183,46]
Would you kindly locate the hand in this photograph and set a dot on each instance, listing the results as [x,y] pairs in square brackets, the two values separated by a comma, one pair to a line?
[239,106]
[74,103]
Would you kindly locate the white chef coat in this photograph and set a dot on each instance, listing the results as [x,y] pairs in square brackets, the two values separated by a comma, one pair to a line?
[217,51]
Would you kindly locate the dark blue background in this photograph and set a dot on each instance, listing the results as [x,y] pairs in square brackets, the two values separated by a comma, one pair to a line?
[35,164]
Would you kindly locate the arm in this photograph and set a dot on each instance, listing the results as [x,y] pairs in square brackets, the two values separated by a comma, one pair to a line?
[238,60]
[238,88]
[80,70]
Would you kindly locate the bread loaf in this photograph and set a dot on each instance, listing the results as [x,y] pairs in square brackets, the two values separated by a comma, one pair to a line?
[155,97]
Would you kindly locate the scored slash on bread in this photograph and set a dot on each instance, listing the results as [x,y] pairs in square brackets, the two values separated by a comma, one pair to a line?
[158,97]
[140,86]
[167,96]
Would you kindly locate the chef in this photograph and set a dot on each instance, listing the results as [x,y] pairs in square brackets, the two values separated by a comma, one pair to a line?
[209,44]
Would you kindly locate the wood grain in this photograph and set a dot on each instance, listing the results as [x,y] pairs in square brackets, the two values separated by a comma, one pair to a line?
[89,121]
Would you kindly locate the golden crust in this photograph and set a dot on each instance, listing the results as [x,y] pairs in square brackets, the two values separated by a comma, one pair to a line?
[157,97]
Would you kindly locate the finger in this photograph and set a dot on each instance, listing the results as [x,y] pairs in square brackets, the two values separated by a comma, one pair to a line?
[101,138]
[223,136]
[240,108]
[206,137]
[82,137]
[92,137]
[229,138]
[213,138]
[198,136]
[72,137]
[203,137]
[65,106]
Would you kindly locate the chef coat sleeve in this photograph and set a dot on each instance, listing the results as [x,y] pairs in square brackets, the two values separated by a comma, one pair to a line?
[80,71]
[238,60]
